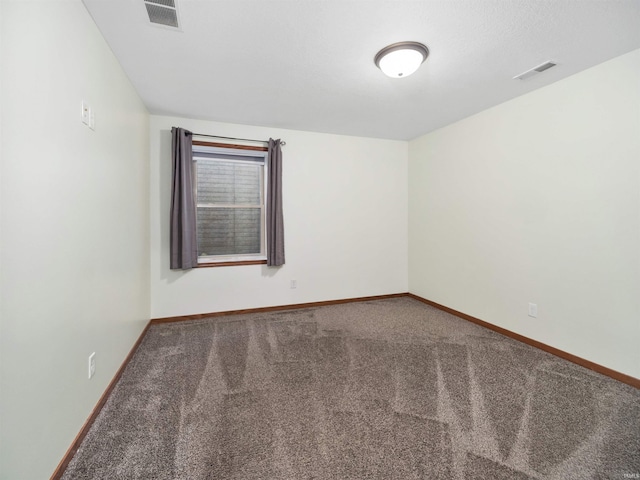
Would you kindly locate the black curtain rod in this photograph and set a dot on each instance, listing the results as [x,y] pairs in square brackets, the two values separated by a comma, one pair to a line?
[283,143]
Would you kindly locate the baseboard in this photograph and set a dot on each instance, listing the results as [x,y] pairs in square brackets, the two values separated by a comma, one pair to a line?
[293,306]
[621,377]
[68,456]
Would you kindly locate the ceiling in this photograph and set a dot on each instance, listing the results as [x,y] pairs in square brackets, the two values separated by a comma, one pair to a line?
[308,64]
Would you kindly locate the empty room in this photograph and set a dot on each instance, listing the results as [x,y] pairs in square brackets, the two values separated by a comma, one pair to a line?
[319,239]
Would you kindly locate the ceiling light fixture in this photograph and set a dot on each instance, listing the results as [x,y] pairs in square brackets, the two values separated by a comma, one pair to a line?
[401,59]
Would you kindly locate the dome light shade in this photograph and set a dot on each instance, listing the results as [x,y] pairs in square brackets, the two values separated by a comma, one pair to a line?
[401,59]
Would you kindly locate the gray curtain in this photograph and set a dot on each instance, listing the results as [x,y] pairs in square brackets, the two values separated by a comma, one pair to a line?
[275,225]
[183,244]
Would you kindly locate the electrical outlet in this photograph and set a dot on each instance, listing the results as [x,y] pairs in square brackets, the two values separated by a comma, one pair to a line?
[88,117]
[294,284]
[533,310]
[92,364]
[86,113]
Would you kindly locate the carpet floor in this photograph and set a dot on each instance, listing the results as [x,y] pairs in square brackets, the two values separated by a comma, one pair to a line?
[385,389]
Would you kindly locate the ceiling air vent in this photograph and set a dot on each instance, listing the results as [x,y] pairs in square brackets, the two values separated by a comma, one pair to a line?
[162,12]
[534,71]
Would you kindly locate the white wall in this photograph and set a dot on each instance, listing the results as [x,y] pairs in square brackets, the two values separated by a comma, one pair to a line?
[74,260]
[345,216]
[538,200]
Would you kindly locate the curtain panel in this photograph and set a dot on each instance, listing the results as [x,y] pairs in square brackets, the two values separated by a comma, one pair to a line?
[275,224]
[183,242]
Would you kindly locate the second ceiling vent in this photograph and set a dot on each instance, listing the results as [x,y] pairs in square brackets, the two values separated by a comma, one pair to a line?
[534,71]
[162,12]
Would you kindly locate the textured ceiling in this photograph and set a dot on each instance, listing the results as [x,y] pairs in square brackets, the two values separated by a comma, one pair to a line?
[308,64]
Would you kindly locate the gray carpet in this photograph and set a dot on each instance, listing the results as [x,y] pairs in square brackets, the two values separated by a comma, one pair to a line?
[386,389]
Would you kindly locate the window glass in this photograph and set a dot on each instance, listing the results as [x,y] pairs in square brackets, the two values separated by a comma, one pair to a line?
[230,209]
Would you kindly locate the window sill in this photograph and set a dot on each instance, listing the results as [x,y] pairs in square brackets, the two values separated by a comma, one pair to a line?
[231,264]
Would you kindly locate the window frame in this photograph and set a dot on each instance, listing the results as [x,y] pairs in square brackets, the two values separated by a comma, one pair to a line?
[242,151]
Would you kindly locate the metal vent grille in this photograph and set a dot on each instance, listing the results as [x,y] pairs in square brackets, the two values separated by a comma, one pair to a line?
[544,66]
[162,12]
[166,3]
[534,71]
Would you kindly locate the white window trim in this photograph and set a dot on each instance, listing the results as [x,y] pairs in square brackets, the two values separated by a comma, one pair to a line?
[212,259]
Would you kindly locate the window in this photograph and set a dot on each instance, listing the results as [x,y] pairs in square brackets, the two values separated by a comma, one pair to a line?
[230,203]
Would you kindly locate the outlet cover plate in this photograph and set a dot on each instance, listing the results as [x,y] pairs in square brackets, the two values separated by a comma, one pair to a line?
[92,364]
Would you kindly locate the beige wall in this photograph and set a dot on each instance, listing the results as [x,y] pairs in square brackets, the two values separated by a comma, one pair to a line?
[538,200]
[74,259]
[345,217]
